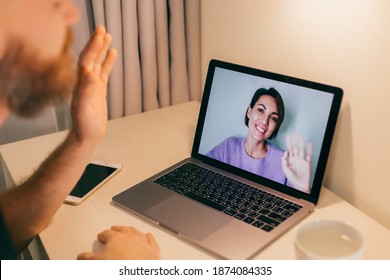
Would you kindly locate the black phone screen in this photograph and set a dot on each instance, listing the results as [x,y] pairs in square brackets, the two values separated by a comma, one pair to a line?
[93,175]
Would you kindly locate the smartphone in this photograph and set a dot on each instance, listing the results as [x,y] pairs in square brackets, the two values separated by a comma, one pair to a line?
[95,175]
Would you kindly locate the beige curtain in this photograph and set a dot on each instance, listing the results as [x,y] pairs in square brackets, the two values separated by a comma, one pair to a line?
[158,44]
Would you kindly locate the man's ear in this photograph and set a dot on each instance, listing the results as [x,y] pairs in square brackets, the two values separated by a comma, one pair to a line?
[2,43]
[4,110]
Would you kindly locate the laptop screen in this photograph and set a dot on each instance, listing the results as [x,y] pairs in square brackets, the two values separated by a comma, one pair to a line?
[267,127]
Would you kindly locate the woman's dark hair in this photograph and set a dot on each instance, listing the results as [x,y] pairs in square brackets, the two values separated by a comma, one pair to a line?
[279,105]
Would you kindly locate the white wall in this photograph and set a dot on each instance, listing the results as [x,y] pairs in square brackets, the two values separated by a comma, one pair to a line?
[343,43]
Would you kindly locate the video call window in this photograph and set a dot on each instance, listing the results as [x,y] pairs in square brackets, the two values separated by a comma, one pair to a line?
[306,113]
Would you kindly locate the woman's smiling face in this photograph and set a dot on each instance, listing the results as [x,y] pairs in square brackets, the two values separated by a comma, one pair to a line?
[263,118]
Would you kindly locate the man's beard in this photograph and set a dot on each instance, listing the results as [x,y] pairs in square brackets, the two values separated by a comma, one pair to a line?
[28,84]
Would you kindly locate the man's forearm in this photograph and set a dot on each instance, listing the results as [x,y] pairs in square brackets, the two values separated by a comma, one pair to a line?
[28,208]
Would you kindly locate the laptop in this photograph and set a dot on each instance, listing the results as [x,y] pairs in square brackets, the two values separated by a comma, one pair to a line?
[226,200]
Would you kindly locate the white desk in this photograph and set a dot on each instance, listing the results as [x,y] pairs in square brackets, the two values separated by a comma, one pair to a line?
[145,144]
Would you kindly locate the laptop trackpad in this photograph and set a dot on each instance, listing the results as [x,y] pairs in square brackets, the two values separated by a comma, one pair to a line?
[187,217]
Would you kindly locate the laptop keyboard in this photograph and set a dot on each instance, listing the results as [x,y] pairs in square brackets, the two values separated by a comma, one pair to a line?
[256,207]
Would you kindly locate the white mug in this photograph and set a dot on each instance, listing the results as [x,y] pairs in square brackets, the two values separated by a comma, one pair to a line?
[328,240]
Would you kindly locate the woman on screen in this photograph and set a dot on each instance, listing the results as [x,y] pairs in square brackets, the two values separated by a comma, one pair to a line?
[255,154]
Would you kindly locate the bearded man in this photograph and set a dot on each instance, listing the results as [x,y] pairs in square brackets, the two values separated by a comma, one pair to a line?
[37,69]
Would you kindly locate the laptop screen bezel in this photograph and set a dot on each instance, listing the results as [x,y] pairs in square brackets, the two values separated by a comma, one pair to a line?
[328,135]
